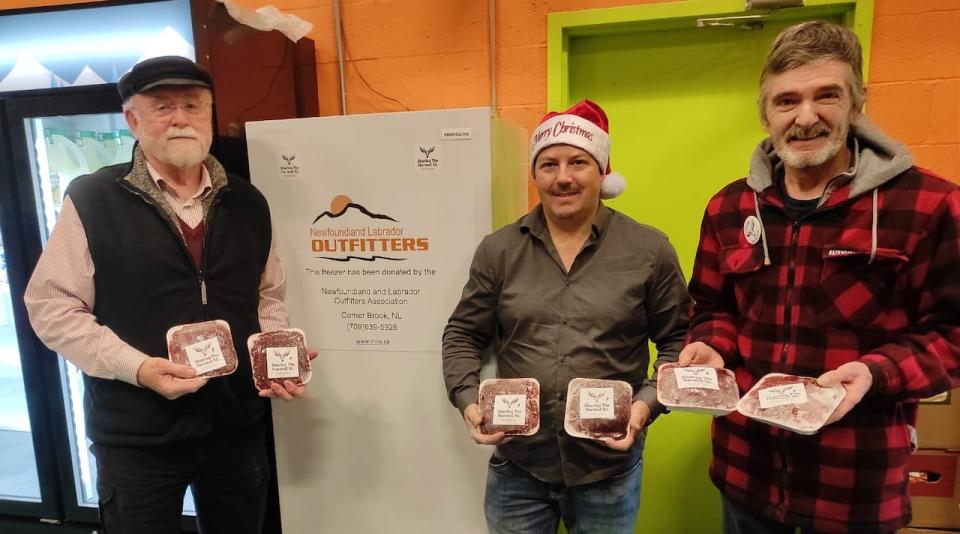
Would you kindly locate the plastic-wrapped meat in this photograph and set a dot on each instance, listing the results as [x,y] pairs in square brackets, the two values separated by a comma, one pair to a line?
[697,388]
[510,405]
[207,347]
[795,403]
[278,356]
[598,408]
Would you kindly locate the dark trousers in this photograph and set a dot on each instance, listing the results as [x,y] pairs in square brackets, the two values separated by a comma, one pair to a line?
[141,488]
[739,520]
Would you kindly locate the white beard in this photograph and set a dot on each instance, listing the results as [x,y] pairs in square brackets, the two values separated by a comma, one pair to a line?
[801,161]
[183,157]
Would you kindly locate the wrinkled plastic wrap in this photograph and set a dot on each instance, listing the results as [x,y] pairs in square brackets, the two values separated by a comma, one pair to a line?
[791,402]
[268,18]
[697,388]
[598,408]
[510,405]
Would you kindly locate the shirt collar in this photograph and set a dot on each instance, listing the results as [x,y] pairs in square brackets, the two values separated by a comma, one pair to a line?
[206,185]
[535,222]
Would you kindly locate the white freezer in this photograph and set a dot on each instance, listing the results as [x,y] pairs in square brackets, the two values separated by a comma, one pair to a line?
[376,218]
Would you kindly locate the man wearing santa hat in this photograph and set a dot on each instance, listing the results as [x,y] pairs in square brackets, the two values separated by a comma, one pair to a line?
[574,289]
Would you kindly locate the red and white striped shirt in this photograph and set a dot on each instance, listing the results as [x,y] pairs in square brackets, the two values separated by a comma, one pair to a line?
[60,297]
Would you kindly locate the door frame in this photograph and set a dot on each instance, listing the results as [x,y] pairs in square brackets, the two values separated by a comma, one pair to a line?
[44,370]
[50,419]
[564,25]
[564,30]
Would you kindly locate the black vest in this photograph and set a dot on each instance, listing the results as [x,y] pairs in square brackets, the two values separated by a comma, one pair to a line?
[146,282]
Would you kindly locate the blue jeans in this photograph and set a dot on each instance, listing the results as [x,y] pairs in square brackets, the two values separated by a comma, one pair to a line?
[517,503]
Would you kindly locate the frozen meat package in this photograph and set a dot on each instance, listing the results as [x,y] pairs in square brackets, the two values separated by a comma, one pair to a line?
[697,388]
[795,403]
[279,355]
[598,408]
[510,405]
[206,346]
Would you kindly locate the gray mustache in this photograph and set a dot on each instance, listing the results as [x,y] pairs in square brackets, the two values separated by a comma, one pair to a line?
[181,132]
[809,132]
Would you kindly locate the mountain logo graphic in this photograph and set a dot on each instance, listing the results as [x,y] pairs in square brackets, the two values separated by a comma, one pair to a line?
[341,204]
[362,234]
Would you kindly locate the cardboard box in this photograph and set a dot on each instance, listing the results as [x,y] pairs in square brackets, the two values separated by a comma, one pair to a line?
[934,489]
[937,426]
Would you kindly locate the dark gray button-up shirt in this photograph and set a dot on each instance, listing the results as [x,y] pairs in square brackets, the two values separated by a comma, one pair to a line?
[624,288]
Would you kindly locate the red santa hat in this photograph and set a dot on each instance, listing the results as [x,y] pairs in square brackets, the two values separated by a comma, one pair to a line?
[584,126]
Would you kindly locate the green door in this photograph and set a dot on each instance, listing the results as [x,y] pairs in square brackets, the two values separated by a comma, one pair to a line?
[682,103]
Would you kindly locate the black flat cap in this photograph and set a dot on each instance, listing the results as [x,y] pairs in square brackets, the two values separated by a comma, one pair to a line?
[164,70]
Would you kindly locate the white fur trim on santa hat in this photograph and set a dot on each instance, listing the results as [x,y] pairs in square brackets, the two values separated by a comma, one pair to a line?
[612,185]
[573,130]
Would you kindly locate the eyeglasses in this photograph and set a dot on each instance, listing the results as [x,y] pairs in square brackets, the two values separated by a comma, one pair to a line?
[191,108]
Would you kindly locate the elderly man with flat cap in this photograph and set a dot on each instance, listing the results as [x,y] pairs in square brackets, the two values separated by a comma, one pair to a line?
[167,239]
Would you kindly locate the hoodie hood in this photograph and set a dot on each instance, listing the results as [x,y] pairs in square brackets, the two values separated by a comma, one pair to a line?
[877,160]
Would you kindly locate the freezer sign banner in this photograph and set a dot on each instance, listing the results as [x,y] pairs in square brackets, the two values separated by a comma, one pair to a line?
[375,277]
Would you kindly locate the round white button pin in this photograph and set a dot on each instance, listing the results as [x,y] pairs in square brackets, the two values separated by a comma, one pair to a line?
[751,229]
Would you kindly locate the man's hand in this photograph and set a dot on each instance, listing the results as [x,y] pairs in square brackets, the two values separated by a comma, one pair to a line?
[288,391]
[855,377]
[472,418]
[167,378]
[699,353]
[639,414]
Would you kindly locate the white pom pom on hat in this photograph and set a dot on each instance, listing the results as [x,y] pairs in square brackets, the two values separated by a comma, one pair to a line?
[584,126]
[613,185]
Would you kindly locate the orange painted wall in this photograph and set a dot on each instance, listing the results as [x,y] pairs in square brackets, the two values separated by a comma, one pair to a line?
[427,54]
[434,54]
[914,90]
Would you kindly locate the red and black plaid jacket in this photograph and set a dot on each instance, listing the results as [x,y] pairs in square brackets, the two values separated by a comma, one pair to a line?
[835,290]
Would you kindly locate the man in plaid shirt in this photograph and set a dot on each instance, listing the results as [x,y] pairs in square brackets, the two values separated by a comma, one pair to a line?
[834,258]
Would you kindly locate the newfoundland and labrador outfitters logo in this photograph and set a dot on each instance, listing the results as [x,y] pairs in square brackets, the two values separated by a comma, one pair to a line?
[349,231]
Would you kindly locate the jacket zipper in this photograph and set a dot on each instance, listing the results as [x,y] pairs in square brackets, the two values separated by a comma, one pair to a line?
[781,510]
[201,281]
[791,277]
[203,260]
[788,337]
[203,289]
[781,488]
